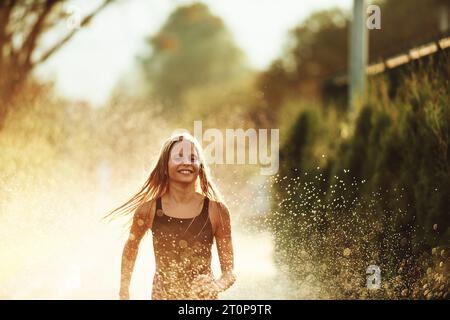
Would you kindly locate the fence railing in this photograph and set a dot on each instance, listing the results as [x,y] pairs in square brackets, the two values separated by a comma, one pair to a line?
[419,51]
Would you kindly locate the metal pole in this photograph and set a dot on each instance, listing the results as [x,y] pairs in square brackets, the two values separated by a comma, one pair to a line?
[358,54]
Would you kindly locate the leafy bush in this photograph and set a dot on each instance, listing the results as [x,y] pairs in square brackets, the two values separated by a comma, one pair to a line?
[370,190]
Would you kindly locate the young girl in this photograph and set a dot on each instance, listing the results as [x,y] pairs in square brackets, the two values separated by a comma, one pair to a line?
[183,209]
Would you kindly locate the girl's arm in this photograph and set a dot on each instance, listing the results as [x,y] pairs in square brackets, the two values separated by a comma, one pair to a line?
[205,286]
[224,249]
[138,228]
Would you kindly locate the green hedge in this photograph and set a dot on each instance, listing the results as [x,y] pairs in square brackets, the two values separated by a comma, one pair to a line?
[372,190]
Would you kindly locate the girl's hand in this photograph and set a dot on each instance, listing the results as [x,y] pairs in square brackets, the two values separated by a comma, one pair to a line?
[124,295]
[205,287]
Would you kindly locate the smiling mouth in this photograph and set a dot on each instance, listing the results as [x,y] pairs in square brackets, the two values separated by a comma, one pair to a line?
[186,171]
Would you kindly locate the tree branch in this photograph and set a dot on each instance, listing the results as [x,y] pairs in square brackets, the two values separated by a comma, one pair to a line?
[30,43]
[83,23]
[5,14]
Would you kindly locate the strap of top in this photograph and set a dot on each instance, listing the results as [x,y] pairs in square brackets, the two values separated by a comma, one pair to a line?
[205,206]
[158,203]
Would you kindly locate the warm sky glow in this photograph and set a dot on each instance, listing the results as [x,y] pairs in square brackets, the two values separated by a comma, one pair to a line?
[89,66]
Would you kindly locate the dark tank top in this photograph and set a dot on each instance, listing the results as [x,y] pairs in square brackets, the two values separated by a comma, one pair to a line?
[182,248]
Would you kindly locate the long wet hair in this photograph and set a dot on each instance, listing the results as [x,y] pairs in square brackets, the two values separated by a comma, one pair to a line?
[157,183]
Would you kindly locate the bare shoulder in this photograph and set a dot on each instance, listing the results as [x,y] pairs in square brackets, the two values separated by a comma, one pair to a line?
[146,212]
[219,215]
[217,207]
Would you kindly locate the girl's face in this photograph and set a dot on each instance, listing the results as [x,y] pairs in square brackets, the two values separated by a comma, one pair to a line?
[184,162]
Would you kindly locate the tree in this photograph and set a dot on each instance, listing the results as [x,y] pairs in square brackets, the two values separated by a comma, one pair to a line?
[193,49]
[317,48]
[404,23]
[23,24]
